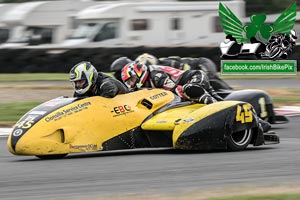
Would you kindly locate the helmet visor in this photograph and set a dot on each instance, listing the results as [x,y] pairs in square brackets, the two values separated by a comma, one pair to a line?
[131,82]
[80,84]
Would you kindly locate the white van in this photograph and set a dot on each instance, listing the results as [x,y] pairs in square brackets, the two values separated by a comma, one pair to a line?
[4,29]
[41,22]
[151,24]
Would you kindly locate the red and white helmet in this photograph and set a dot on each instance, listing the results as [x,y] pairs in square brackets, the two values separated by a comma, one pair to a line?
[134,75]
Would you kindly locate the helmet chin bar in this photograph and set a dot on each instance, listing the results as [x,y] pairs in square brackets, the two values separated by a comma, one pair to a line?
[132,82]
[83,89]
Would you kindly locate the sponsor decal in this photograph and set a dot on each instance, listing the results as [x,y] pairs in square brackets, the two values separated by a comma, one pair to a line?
[157,96]
[37,112]
[258,47]
[88,147]
[31,117]
[68,111]
[27,122]
[17,132]
[24,124]
[52,103]
[122,110]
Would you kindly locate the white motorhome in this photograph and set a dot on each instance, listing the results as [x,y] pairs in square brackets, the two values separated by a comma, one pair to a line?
[42,22]
[4,30]
[152,24]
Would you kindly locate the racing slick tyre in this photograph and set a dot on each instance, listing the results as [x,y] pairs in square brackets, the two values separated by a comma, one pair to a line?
[49,157]
[238,141]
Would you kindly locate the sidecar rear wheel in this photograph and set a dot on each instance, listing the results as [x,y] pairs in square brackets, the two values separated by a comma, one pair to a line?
[238,141]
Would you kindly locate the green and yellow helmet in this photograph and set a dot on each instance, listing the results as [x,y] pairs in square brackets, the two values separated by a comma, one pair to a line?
[83,71]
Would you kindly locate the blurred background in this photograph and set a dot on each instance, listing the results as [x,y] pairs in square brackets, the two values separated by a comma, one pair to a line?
[41,40]
[52,36]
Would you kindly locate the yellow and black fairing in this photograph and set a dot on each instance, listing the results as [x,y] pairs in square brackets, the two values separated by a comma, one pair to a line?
[206,127]
[66,125]
[261,102]
[145,118]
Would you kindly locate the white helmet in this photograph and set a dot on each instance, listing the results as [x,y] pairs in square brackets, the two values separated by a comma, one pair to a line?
[83,71]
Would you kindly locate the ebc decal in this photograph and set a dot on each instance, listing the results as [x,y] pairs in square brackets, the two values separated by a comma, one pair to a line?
[121,110]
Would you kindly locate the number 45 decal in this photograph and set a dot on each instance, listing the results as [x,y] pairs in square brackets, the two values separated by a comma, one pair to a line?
[24,124]
[245,114]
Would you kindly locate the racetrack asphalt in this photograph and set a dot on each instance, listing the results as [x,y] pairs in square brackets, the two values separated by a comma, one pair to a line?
[172,174]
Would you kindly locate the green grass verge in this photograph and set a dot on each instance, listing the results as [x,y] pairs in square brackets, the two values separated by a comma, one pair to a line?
[34,77]
[12,112]
[19,77]
[261,197]
[286,100]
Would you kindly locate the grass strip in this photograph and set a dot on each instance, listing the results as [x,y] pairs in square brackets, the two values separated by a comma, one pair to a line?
[286,100]
[18,77]
[12,112]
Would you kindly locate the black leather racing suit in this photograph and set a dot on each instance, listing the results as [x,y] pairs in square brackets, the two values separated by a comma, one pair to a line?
[105,86]
[191,84]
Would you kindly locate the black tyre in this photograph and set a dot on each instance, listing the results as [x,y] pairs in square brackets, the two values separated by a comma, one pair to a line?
[238,141]
[49,157]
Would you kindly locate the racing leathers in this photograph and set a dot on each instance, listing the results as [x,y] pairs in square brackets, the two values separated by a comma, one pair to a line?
[201,63]
[105,86]
[189,85]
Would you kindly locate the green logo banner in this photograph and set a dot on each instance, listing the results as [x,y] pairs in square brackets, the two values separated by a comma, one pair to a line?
[268,67]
